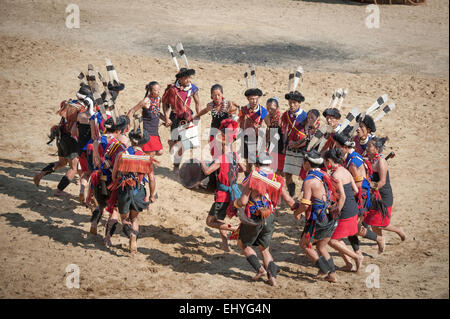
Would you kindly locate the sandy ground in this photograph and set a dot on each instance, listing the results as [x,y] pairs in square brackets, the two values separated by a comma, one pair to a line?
[40,235]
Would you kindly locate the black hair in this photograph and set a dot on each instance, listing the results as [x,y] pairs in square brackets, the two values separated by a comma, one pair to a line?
[149,87]
[127,120]
[335,155]
[315,112]
[216,87]
[272,100]
[120,125]
[379,142]
[137,138]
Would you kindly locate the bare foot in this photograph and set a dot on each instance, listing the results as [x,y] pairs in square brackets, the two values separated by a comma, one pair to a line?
[224,247]
[272,281]
[37,179]
[93,230]
[107,241]
[348,267]
[260,273]
[133,244]
[402,235]
[320,275]
[60,193]
[359,263]
[81,198]
[331,277]
[381,244]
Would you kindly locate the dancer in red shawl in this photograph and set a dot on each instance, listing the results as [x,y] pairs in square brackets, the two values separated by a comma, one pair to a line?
[251,119]
[151,115]
[67,144]
[293,124]
[274,135]
[220,109]
[105,151]
[379,216]
[318,203]
[226,167]
[348,217]
[178,98]
[262,192]
[311,126]
[332,116]
[128,177]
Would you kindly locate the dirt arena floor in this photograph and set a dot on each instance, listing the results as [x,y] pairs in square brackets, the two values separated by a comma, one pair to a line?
[178,256]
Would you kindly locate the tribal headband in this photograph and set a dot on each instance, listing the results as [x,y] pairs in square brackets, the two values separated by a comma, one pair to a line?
[314,157]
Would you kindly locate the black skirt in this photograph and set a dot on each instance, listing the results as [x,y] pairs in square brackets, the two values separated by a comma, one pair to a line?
[258,235]
[130,198]
[67,147]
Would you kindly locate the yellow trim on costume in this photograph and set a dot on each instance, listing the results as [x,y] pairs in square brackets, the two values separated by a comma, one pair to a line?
[305,201]
[358,179]
[293,127]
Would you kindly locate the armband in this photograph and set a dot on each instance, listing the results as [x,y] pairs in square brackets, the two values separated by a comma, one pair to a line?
[358,179]
[305,201]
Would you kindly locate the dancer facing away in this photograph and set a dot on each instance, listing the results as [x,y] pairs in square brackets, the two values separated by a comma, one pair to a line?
[318,193]
[226,167]
[128,186]
[67,145]
[262,192]
[105,151]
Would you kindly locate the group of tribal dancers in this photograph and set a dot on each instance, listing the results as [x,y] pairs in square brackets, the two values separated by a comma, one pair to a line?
[346,191]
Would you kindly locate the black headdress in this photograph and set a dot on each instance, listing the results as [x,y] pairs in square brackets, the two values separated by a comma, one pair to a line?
[294,95]
[333,112]
[253,92]
[115,86]
[185,72]
[368,122]
[343,140]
